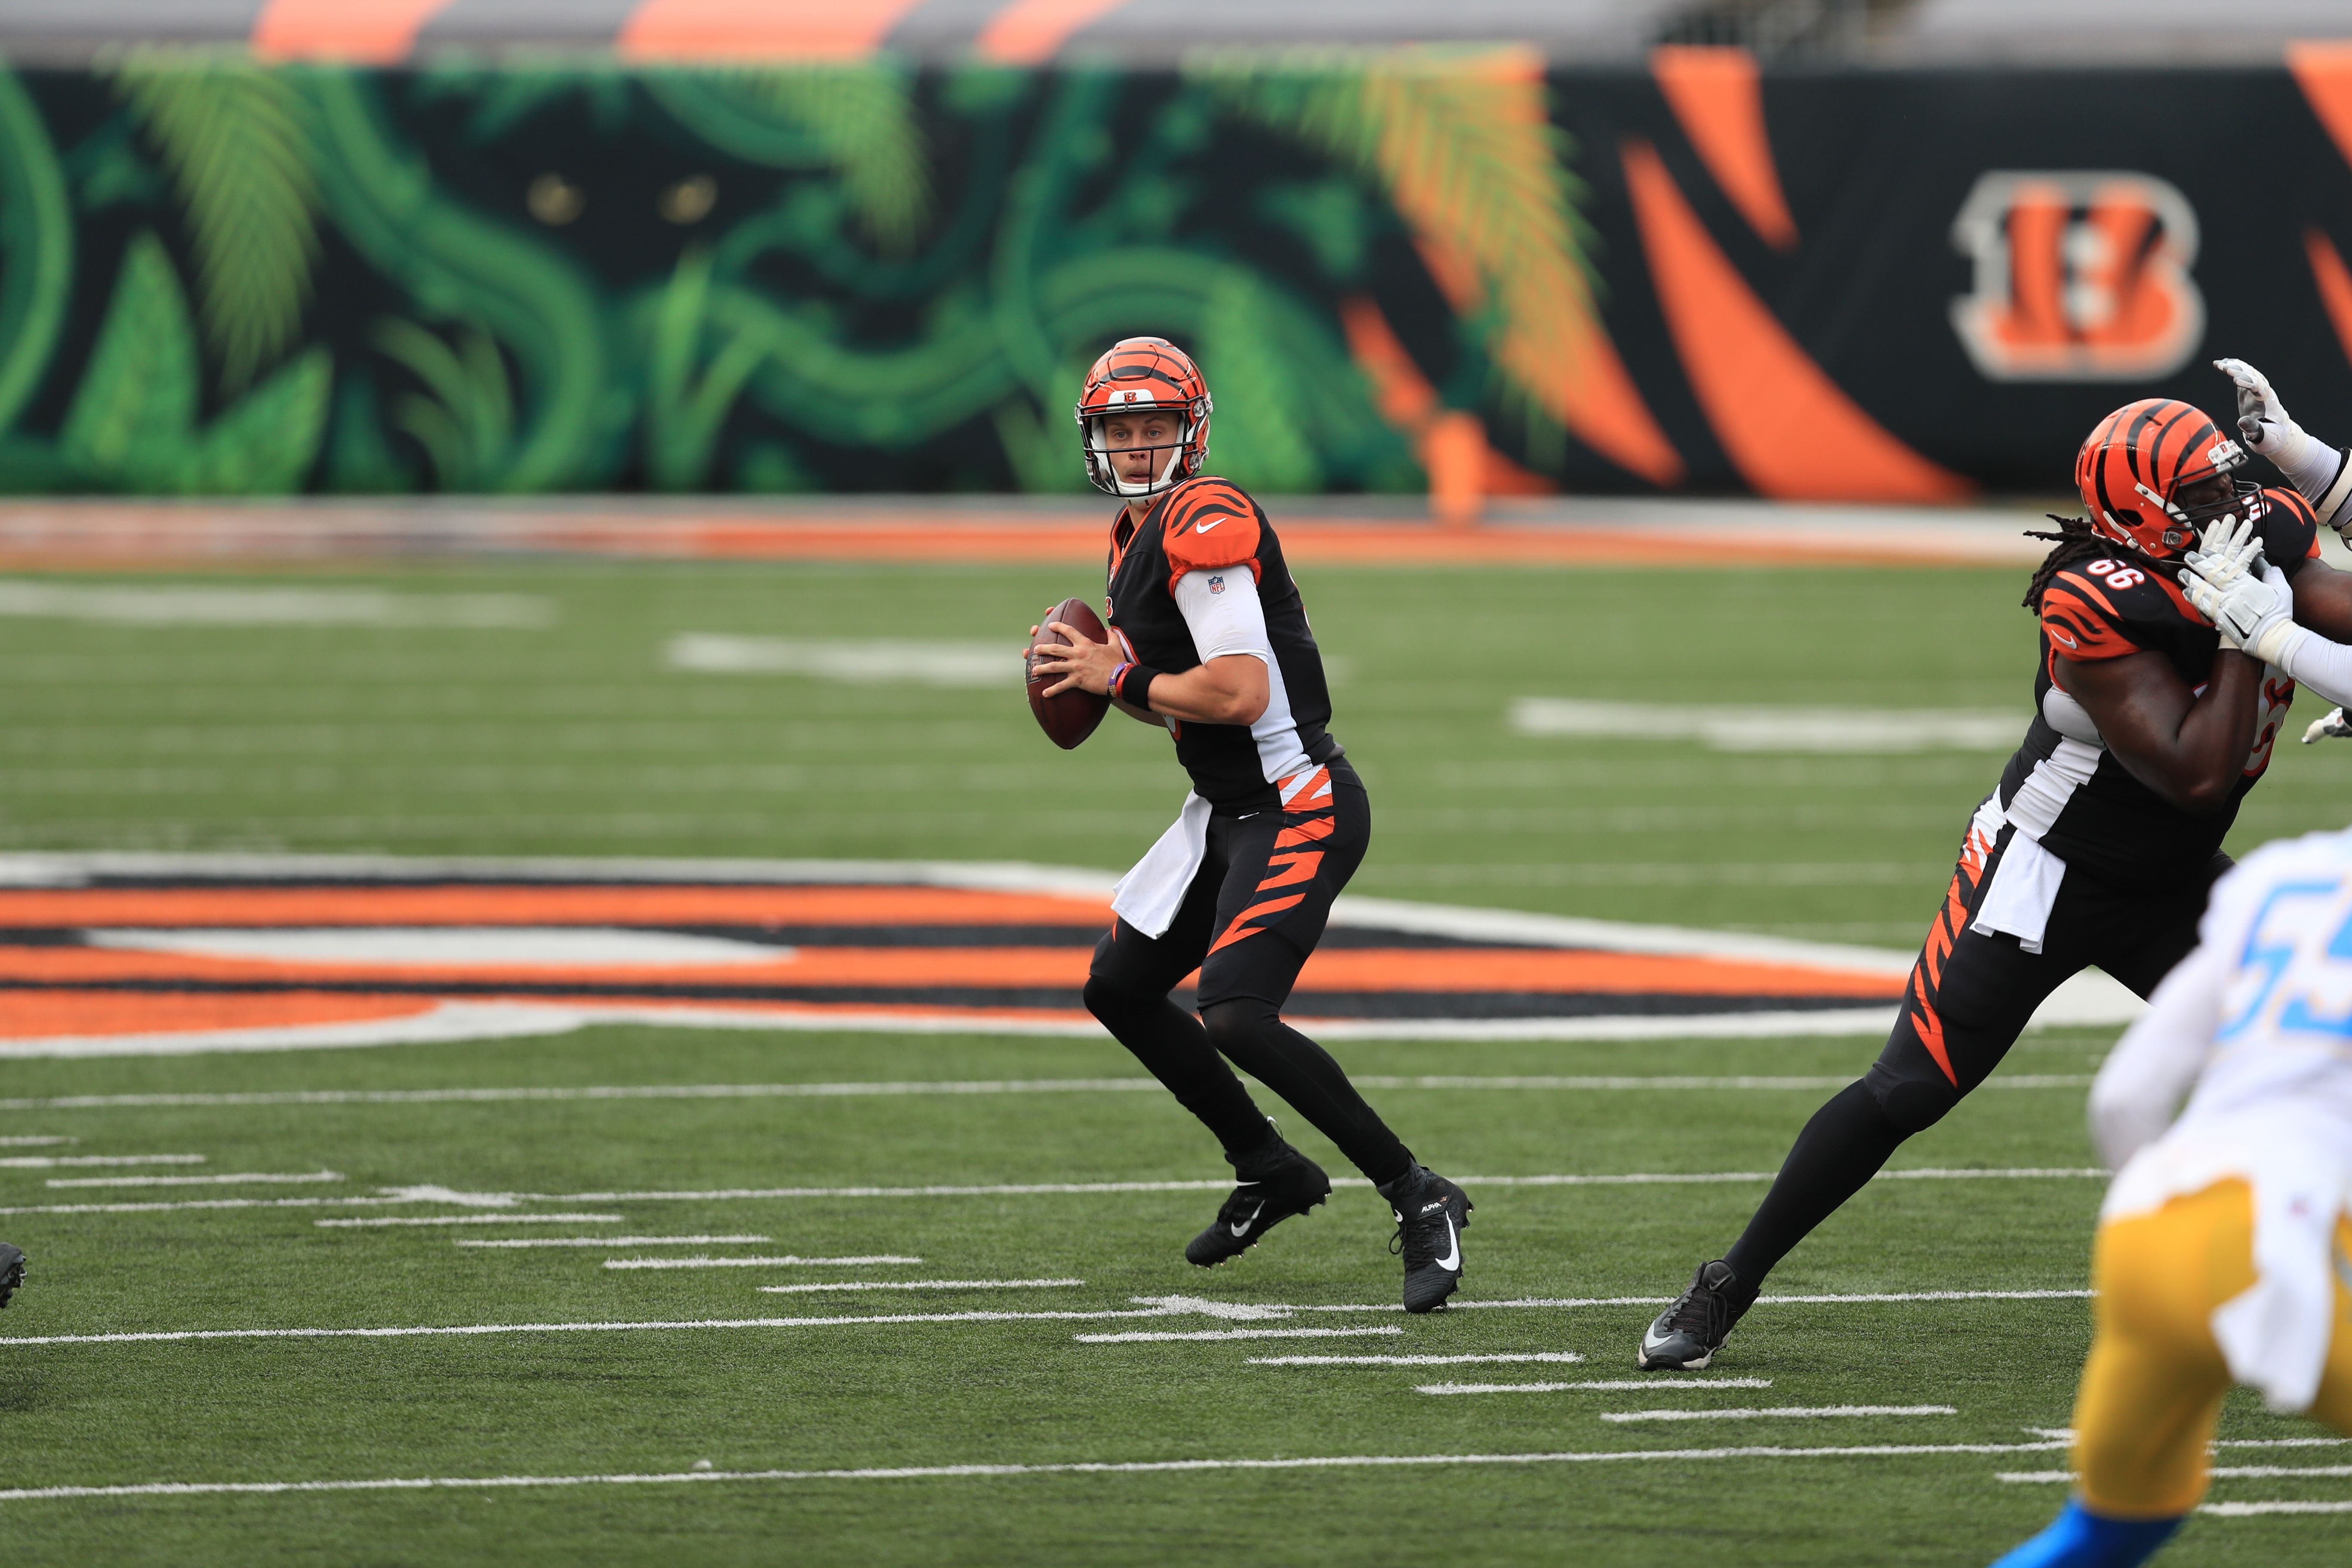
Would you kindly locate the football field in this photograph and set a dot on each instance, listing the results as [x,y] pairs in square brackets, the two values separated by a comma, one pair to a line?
[636,1291]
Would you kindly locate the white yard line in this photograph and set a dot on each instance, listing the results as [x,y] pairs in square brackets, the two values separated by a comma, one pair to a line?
[602,1240]
[161,1336]
[34,1143]
[1796,1410]
[1675,1084]
[702,1262]
[504,1219]
[1411,1360]
[2066,1434]
[1139,1337]
[1082,1467]
[2255,1509]
[53,1161]
[832,1285]
[1620,1385]
[2218,1472]
[243,1178]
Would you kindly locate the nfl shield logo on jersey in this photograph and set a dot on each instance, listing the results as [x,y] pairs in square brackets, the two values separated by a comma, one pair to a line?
[1216,585]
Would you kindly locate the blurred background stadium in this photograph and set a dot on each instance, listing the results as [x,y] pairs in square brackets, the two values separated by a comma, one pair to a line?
[640,429]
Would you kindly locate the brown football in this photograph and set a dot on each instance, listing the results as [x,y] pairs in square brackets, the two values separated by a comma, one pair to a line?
[1071,717]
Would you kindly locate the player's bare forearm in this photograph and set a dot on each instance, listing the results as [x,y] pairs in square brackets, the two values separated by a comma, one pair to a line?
[2323,601]
[2191,749]
[1229,690]
[1140,715]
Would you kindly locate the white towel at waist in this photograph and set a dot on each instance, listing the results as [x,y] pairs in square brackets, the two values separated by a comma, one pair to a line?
[1147,898]
[2024,885]
[2274,1334]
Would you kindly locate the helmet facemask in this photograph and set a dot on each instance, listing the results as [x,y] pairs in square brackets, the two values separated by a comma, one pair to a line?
[1167,457]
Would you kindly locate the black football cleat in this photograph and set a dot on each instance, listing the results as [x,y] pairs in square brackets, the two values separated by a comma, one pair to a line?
[1431,1215]
[1287,1183]
[1686,1336]
[12,1270]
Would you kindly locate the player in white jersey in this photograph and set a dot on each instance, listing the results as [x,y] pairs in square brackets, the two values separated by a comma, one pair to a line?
[2224,1253]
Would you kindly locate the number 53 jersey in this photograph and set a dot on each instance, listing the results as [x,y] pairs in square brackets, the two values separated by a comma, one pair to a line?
[2064,787]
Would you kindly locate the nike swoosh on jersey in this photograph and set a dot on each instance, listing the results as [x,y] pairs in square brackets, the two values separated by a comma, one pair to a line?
[2063,638]
[1453,1259]
[1204,527]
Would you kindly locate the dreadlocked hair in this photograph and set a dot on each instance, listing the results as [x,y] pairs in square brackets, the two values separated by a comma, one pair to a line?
[2078,542]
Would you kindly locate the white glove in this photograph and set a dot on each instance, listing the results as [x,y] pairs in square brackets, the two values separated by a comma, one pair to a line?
[2255,615]
[2321,729]
[2262,419]
[2229,551]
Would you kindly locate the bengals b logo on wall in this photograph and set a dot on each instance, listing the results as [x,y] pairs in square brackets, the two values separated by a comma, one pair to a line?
[2080,275]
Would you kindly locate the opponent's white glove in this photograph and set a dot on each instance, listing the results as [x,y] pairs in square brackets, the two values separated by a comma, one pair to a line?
[2229,551]
[2321,729]
[2255,615]
[2262,419]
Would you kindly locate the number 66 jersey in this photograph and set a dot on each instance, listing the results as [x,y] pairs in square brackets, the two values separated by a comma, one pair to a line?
[2064,787]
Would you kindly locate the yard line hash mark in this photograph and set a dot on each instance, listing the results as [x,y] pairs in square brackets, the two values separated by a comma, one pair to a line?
[1413,1360]
[242,1178]
[786,1261]
[503,1219]
[34,1143]
[598,1240]
[1800,1411]
[914,1284]
[54,1162]
[1137,1337]
[1620,1385]
[951,1472]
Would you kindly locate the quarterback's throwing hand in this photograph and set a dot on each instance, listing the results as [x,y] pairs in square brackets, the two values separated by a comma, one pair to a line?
[1087,666]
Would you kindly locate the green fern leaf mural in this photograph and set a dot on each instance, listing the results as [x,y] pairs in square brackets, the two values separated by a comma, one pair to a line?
[857,120]
[237,141]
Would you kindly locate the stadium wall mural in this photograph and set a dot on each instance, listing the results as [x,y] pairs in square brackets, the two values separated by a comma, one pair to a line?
[1451,272]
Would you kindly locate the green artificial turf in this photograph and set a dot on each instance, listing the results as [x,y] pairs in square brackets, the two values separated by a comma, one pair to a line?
[574,738]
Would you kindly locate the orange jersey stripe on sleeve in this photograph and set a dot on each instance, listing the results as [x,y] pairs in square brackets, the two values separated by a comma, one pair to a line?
[1210,523]
[2081,624]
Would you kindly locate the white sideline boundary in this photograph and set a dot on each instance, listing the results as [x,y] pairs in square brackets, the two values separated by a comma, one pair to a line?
[1793,1412]
[1674,1084]
[1080,1468]
[1616,1386]
[788,1261]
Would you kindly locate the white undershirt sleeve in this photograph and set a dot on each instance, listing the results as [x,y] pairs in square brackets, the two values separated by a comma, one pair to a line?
[2312,660]
[1220,607]
[2321,474]
[2140,1088]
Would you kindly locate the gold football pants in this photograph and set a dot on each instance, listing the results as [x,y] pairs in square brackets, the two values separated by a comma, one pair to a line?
[2153,1387]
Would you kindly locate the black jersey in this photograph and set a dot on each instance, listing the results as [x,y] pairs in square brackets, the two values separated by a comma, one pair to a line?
[2063,787]
[1210,525]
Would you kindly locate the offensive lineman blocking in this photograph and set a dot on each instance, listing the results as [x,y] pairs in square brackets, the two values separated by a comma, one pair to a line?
[1209,639]
[2157,697]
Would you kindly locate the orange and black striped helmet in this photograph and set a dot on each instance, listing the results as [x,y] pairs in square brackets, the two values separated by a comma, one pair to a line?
[1136,375]
[2134,466]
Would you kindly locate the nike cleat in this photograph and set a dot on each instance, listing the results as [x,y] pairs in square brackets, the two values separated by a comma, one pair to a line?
[12,1270]
[1290,1184]
[1431,1215]
[1686,1336]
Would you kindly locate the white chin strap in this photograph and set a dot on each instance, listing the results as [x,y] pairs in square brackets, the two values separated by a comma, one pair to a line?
[1128,486]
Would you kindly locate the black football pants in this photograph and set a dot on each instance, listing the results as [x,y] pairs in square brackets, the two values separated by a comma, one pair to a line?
[1254,912]
[1969,999]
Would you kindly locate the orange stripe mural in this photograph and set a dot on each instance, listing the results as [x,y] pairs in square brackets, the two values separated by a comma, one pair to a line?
[709,30]
[357,32]
[1785,425]
[1718,95]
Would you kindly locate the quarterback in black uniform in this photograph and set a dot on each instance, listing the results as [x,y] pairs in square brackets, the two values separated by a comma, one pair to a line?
[2158,695]
[1209,639]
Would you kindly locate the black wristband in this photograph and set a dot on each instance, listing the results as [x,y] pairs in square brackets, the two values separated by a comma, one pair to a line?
[1135,686]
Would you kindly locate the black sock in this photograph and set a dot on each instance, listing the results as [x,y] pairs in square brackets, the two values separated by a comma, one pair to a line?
[1252,1034]
[1170,1042]
[1841,1148]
